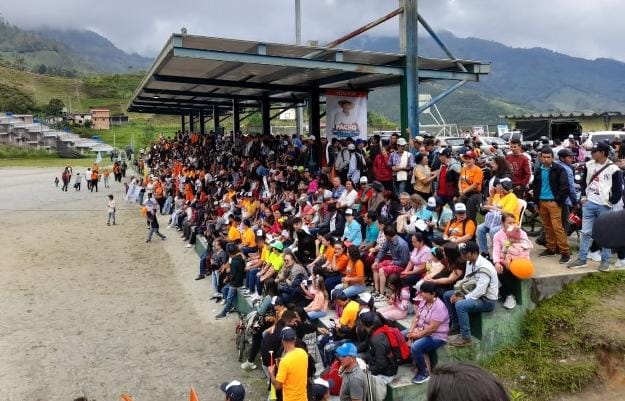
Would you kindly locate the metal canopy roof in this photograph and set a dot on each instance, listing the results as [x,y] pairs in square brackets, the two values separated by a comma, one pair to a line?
[195,73]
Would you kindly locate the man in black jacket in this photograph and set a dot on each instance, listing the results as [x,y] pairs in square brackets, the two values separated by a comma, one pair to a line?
[551,189]
[379,355]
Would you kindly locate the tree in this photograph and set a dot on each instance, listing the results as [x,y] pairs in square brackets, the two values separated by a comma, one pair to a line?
[42,69]
[54,107]
[13,99]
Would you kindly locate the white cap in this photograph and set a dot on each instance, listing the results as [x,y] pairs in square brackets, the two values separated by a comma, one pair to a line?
[432,202]
[260,233]
[364,297]
[401,142]
[460,207]
[351,146]
[418,138]
[285,233]
[349,212]
[363,180]
[322,382]
[571,136]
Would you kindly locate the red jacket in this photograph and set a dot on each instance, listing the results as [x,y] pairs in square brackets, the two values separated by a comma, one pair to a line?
[521,171]
[381,170]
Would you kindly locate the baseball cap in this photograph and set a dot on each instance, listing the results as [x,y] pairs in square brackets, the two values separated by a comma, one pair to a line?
[351,146]
[460,208]
[347,349]
[312,138]
[505,182]
[364,298]
[364,180]
[234,390]
[319,389]
[278,245]
[418,138]
[401,142]
[349,212]
[431,203]
[339,295]
[287,334]
[470,154]
[470,247]
[565,153]
[601,147]
[445,152]
[276,300]
[367,318]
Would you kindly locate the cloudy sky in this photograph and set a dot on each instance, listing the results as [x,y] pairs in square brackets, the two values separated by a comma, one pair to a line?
[581,28]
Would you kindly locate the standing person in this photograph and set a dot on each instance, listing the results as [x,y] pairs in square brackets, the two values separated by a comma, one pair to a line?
[94,180]
[105,176]
[448,176]
[153,223]
[111,211]
[521,171]
[602,188]
[291,375]
[382,172]
[401,163]
[236,276]
[565,160]
[423,177]
[551,189]
[78,181]
[56,182]
[65,177]
[354,385]
[88,178]
[470,184]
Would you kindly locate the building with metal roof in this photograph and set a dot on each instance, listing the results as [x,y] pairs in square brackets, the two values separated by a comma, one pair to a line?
[561,124]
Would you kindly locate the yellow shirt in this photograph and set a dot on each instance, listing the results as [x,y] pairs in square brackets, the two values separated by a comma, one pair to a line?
[350,314]
[276,261]
[233,233]
[249,238]
[264,253]
[509,203]
[293,374]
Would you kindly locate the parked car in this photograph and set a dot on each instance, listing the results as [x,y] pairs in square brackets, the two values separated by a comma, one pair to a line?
[603,135]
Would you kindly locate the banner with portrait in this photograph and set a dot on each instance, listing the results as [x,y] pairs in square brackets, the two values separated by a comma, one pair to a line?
[346,114]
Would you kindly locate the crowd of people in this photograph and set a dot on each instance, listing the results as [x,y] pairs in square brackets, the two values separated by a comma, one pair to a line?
[302,230]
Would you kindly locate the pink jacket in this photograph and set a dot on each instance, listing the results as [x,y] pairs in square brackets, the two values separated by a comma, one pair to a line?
[505,249]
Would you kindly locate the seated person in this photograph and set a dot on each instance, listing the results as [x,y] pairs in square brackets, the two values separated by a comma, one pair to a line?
[290,277]
[399,257]
[398,299]
[353,231]
[353,283]
[481,299]
[316,291]
[418,258]
[274,263]
[502,201]
[325,251]
[509,243]
[344,330]
[254,264]
[428,330]
[433,267]
[379,354]
[334,269]
[460,229]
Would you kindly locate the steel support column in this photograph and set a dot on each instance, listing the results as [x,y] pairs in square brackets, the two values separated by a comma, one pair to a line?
[408,25]
[202,123]
[216,117]
[314,126]
[265,109]
[182,123]
[191,122]
[236,117]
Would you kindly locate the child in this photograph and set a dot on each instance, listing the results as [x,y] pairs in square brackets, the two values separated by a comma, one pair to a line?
[111,211]
[56,181]
[77,182]
[432,266]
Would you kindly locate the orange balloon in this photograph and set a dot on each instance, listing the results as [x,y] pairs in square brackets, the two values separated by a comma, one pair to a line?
[144,211]
[522,268]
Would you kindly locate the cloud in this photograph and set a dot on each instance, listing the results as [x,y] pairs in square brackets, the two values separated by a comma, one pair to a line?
[579,28]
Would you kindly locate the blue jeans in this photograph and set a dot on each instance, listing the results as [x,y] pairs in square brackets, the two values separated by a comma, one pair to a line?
[482,236]
[316,314]
[203,259]
[230,294]
[425,345]
[327,348]
[332,281]
[247,250]
[111,215]
[352,290]
[252,282]
[590,211]
[154,230]
[215,281]
[459,312]
[400,186]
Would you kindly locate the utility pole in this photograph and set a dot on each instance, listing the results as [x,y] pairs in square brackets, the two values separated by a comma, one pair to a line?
[299,117]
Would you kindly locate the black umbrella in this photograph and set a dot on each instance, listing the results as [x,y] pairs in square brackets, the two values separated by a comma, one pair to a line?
[608,229]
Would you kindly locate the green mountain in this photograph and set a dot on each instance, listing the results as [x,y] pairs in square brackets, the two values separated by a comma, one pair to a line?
[66,53]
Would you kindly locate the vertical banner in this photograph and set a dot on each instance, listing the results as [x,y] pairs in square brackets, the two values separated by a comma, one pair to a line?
[346,113]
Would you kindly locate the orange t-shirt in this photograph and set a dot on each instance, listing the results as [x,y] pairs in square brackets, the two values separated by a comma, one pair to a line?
[355,269]
[341,263]
[459,228]
[470,176]
[328,253]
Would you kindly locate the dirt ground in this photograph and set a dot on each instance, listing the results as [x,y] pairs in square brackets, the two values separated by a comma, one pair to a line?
[92,310]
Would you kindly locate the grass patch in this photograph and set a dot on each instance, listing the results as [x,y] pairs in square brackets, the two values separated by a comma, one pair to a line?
[555,354]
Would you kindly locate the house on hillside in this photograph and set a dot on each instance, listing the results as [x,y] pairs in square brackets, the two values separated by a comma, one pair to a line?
[79,118]
[119,119]
[100,118]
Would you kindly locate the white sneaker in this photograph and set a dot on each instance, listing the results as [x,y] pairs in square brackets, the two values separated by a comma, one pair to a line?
[248,366]
[223,302]
[188,246]
[510,302]
[620,264]
[595,256]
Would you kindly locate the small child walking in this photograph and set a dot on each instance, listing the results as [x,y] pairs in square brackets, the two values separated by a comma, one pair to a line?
[111,211]
[56,181]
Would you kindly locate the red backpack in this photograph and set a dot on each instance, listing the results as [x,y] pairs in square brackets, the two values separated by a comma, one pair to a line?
[333,376]
[399,346]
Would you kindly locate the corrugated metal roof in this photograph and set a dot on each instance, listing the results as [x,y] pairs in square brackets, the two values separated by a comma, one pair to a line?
[575,114]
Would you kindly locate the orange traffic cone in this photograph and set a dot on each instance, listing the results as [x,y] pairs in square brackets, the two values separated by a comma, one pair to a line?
[193,395]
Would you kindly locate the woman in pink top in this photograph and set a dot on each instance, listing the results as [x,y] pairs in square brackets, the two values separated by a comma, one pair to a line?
[428,331]
[398,300]
[510,243]
[319,305]
[419,256]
